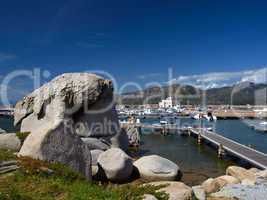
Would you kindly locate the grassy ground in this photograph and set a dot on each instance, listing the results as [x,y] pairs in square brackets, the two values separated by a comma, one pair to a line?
[35,182]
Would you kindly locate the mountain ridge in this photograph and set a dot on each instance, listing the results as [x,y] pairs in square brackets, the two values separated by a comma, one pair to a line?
[238,94]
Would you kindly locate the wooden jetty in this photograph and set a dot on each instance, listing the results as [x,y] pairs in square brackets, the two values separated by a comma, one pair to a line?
[224,145]
[229,146]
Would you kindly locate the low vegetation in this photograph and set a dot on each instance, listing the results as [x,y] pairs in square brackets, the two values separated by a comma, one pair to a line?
[6,155]
[38,180]
[22,136]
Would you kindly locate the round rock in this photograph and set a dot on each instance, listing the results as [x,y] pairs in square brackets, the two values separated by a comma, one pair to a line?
[95,155]
[116,164]
[156,168]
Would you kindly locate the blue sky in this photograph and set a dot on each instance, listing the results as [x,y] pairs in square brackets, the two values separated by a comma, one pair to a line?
[134,40]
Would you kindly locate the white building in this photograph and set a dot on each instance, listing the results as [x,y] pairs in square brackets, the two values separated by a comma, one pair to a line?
[167,103]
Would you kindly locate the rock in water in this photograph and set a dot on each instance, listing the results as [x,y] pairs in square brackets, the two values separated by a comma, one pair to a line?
[10,141]
[241,174]
[58,113]
[214,185]
[133,135]
[156,168]
[116,164]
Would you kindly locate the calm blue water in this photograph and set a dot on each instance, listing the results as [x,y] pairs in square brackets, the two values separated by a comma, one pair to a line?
[6,123]
[197,162]
[200,161]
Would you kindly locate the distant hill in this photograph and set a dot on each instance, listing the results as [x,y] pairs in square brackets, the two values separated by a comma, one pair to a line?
[239,94]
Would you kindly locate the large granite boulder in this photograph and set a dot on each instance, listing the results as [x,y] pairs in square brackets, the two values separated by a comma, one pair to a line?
[60,112]
[10,141]
[156,168]
[176,190]
[116,164]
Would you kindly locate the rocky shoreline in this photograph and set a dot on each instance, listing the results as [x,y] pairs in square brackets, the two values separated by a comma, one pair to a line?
[71,120]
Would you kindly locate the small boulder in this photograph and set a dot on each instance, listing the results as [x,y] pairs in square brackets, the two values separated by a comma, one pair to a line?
[116,164]
[214,185]
[156,168]
[199,192]
[10,141]
[240,173]
[176,190]
[95,155]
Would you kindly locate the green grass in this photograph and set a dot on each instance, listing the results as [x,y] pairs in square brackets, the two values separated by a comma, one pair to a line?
[22,136]
[6,155]
[31,183]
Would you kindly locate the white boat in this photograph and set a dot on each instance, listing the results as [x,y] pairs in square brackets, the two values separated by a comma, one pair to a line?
[210,118]
[263,123]
[196,116]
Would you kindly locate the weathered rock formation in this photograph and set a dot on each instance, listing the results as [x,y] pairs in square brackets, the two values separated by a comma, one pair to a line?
[156,168]
[60,112]
[133,135]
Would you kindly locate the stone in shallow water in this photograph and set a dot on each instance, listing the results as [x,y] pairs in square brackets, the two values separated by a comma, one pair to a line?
[156,168]
[240,173]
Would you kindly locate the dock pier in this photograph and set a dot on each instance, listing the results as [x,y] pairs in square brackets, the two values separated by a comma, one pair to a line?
[224,145]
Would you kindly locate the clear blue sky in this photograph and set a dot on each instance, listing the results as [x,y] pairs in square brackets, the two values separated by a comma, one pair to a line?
[131,39]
